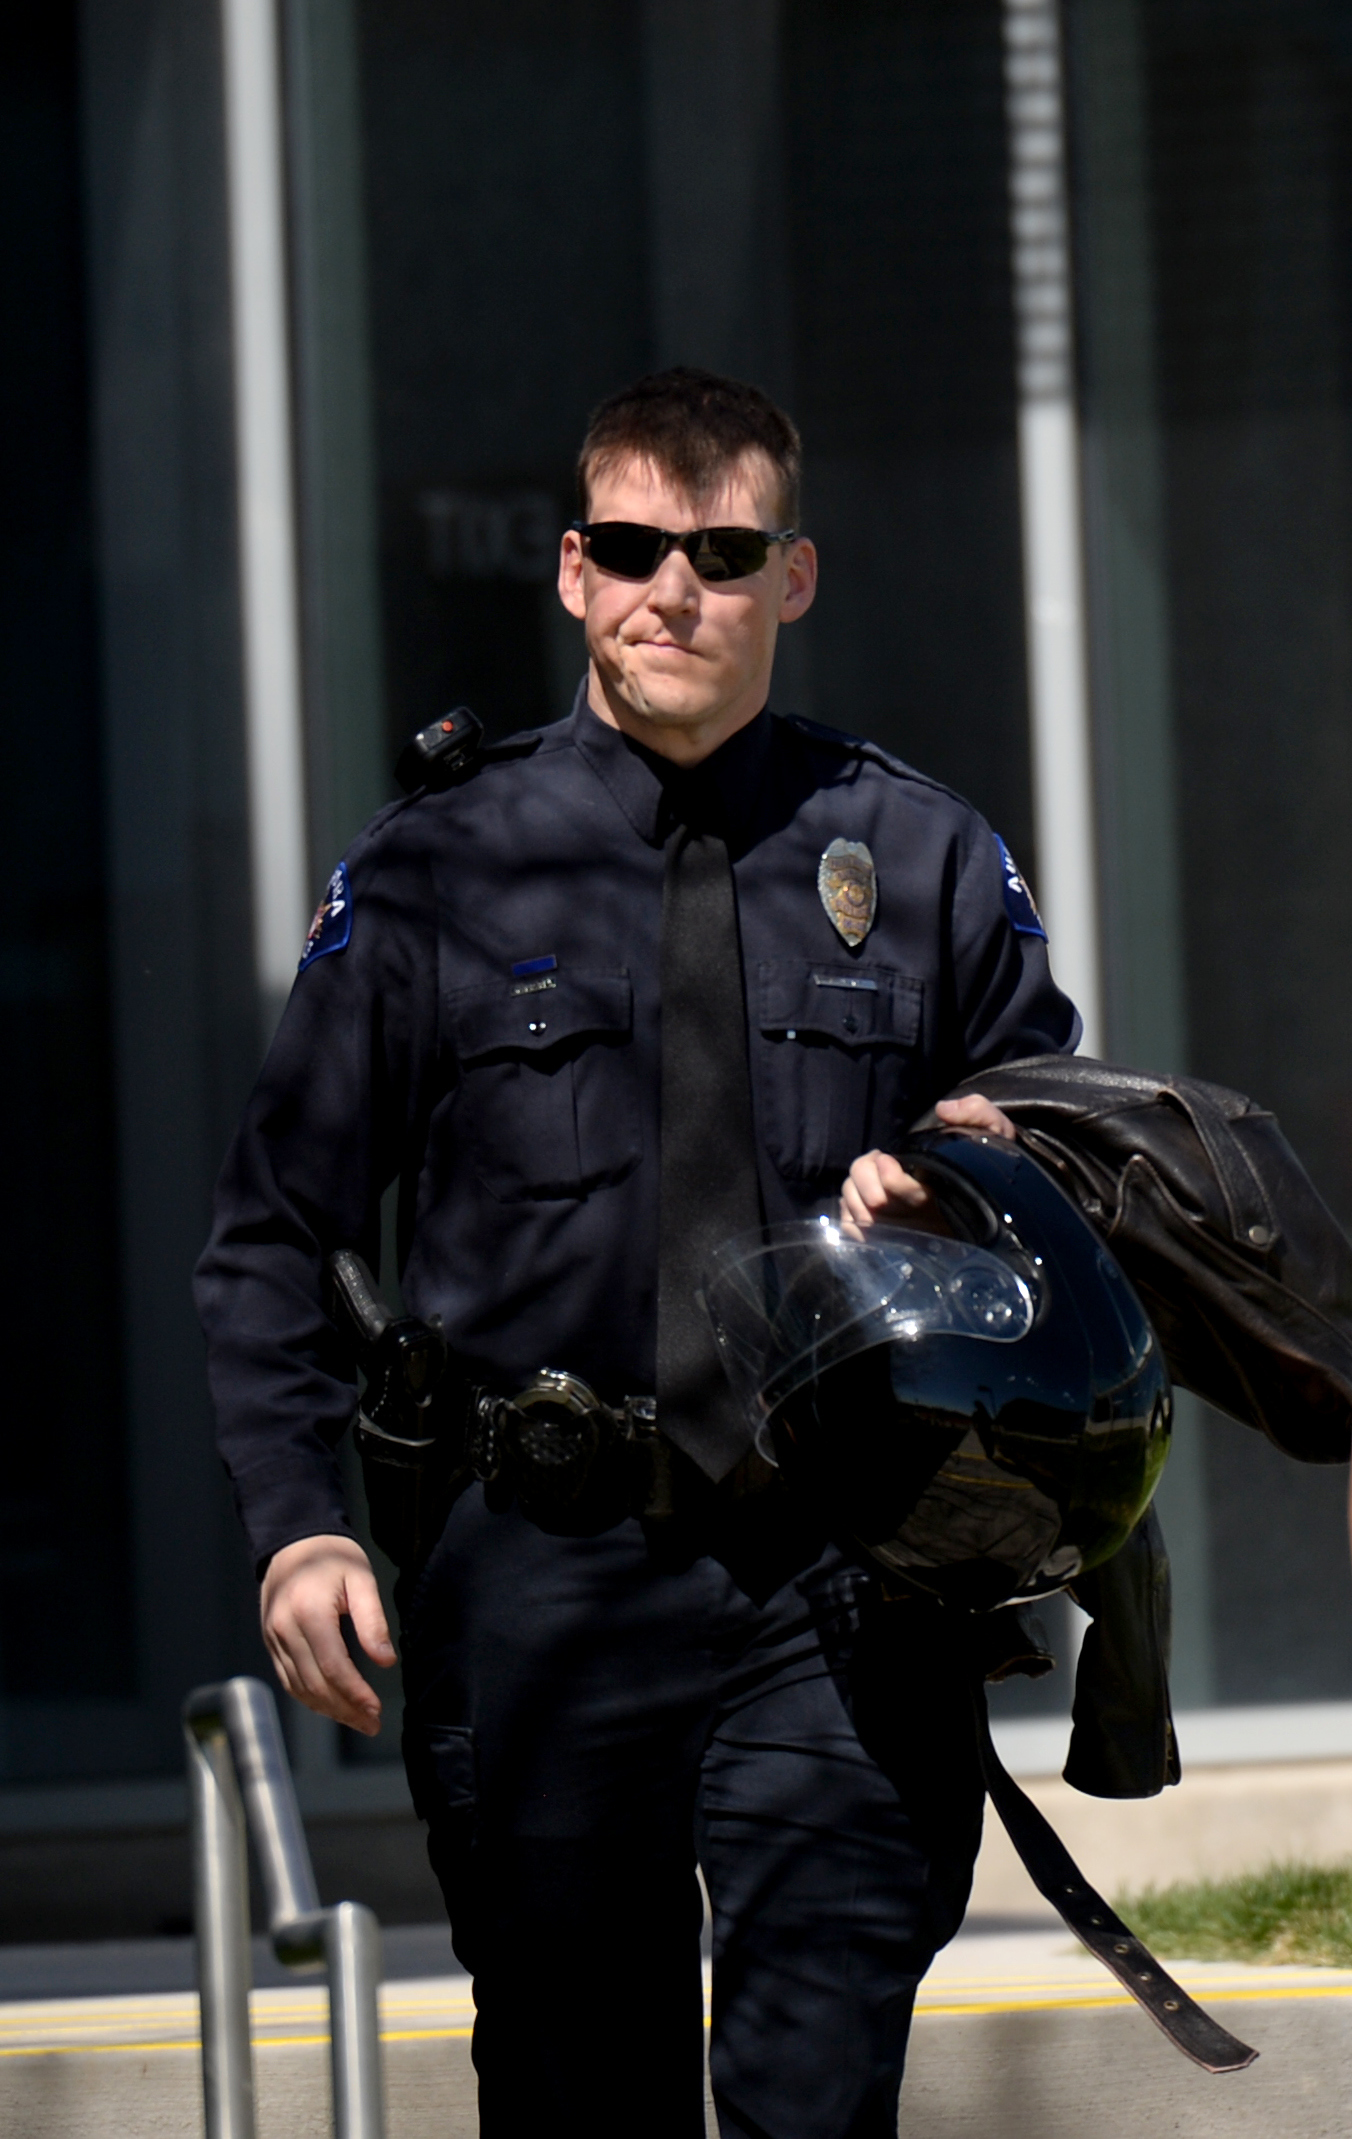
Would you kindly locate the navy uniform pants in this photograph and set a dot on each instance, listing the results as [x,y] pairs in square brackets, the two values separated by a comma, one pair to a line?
[585,1720]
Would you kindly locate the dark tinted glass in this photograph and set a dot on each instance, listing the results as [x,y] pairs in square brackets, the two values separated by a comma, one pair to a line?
[832,138]
[64,1573]
[1250,114]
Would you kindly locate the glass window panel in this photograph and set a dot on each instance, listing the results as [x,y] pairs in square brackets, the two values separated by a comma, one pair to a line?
[1213,225]
[64,1566]
[561,197]
[1250,123]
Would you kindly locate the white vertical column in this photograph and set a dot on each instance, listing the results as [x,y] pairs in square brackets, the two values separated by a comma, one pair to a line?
[267,530]
[1049,475]
[1134,717]
[342,667]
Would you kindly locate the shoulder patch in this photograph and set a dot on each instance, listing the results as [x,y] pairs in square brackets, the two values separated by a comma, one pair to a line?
[1024,917]
[331,929]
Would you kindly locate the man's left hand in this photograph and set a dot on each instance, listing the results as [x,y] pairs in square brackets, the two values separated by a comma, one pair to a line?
[879,1191]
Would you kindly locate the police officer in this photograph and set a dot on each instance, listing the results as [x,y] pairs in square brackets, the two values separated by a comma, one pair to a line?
[667,966]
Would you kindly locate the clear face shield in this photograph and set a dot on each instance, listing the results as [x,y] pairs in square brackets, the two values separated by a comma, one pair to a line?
[792,1302]
[985,1421]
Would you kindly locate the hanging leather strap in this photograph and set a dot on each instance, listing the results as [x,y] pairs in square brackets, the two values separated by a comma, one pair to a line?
[1059,1879]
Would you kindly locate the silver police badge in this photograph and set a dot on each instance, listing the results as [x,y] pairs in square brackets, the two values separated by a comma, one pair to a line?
[847,884]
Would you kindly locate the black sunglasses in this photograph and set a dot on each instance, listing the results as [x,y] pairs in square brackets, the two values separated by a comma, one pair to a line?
[717,553]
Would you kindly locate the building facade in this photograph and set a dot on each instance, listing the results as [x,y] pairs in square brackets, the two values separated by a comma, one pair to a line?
[309,302]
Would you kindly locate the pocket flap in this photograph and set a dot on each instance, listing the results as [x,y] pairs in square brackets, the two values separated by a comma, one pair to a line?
[854,1004]
[537,1014]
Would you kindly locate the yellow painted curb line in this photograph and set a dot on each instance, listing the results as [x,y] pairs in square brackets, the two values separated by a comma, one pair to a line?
[1087,2000]
[1067,2001]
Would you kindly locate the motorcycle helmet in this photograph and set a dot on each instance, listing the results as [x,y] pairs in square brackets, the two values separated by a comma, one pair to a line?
[986,1409]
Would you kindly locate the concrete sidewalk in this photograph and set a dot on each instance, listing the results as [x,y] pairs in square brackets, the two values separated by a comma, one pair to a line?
[1017,2037]
[1218,1822]
[124,1968]
[1023,2036]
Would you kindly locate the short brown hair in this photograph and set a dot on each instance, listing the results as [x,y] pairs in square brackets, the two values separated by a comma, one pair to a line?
[692,426]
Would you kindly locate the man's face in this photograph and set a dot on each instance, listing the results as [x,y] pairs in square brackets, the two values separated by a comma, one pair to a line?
[677,663]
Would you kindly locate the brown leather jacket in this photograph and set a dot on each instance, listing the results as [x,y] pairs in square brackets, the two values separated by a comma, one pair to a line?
[1247,1277]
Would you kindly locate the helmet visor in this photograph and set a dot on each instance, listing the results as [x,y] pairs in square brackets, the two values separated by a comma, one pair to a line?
[793,1300]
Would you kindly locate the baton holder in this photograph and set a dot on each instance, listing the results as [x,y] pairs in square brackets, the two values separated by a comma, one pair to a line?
[239,1784]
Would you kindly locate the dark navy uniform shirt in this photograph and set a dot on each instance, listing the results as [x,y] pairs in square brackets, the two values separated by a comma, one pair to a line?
[486,1028]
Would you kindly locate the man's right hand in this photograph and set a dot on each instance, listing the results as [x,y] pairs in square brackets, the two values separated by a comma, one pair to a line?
[309,1588]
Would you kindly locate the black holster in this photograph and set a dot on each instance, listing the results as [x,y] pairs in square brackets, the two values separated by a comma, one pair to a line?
[411,1487]
[410,1428]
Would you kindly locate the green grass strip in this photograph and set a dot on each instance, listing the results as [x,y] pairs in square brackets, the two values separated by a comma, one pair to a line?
[1301,1913]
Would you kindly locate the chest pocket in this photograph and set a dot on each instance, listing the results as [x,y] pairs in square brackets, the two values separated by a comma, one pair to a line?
[548,1104]
[836,1061]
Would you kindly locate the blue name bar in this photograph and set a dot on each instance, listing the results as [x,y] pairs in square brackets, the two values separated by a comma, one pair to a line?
[524,967]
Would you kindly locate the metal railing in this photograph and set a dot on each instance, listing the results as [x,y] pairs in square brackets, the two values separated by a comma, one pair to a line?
[238,1772]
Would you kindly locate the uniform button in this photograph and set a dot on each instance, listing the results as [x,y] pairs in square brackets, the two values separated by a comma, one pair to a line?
[534,1027]
[851,1022]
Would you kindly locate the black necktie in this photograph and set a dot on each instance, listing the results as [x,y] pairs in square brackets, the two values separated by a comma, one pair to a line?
[709,1188]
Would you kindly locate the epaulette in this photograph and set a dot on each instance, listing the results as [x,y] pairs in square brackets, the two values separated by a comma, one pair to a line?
[859,746]
[856,746]
[523,745]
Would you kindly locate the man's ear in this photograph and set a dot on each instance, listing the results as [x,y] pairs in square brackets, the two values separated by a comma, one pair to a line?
[800,581]
[571,592]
